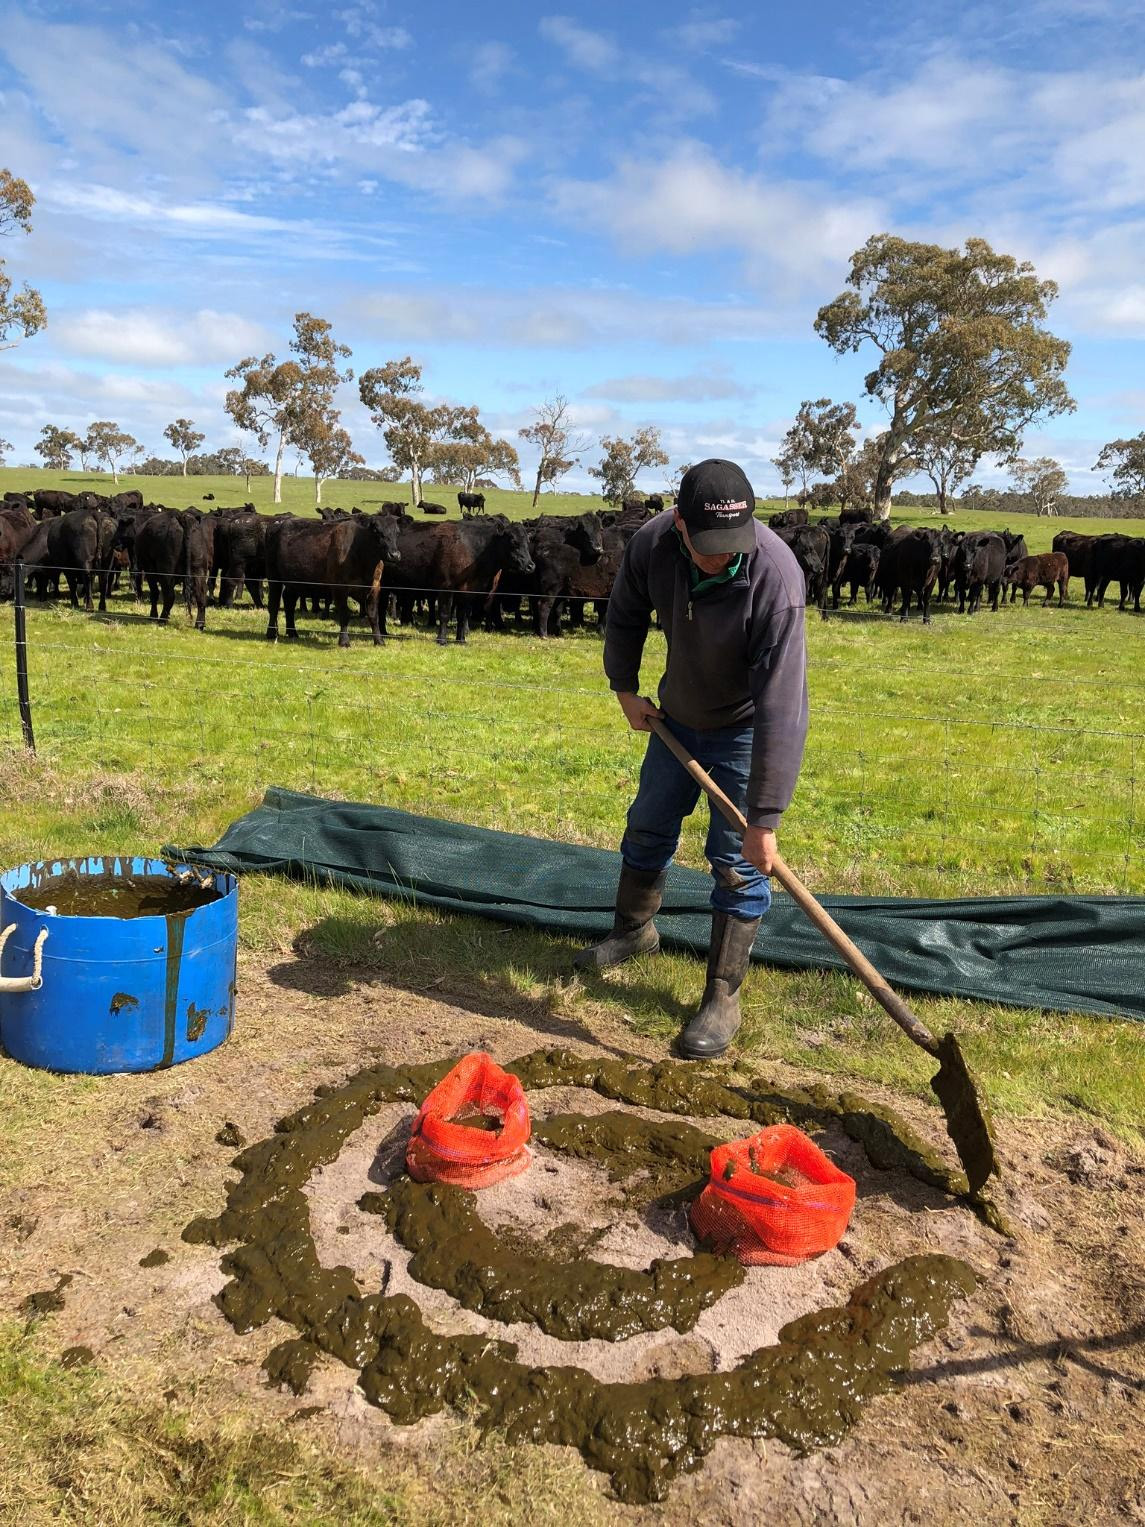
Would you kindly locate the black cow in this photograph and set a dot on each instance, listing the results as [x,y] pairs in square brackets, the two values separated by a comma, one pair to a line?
[19,516]
[1078,551]
[198,561]
[908,565]
[876,533]
[811,546]
[472,501]
[460,564]
[841,539]
[431,508]
[1133,573]
[1014,540]
[1115,559]
[857,514]
[156,543]
[77,544]
[560,545]
[53,501]
[655,502]
[787,518]
[125,549]
[860,569]
[17,528]
[592,582]
[329,563]
[347,557]
[949,544]
[240,551]
[979,563]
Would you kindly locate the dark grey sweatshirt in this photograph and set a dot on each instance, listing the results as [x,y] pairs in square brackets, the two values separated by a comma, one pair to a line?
[736,652]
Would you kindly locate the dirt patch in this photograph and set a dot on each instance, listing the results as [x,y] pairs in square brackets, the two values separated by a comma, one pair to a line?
[990,1423]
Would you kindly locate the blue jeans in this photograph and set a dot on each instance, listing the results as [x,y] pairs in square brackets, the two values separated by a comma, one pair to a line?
[668,793]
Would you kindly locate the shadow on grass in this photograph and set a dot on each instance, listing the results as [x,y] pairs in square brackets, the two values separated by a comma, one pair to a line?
[438,961]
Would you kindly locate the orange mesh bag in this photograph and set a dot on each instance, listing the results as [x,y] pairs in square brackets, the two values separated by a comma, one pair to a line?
[452,1141]
[774,1199]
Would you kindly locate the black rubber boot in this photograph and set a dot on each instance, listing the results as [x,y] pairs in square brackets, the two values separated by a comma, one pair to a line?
[729,954]
[638,898]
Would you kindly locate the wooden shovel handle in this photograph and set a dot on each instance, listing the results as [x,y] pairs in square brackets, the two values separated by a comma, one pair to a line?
[791,883]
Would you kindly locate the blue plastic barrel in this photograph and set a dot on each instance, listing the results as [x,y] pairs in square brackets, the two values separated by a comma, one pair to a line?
[116,993]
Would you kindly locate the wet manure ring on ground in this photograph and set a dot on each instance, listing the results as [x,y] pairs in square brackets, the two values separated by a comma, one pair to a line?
[806,1390]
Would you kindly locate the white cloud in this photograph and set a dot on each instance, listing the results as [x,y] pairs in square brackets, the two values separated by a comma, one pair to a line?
[148,337]
[309,138]
[702,32]
[974,124]
[321,58]
[33,393]
[273,17]
[556,318]
[113,97]
[362,24]
[204,219]
[700,386]
[161,124]
[951,115]
[402,143]
[90,229]
[1099,157]
[585,49]
[690,203]
[490,62]
[390,37]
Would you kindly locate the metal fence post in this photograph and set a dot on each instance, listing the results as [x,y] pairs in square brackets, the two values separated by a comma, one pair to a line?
[22,660]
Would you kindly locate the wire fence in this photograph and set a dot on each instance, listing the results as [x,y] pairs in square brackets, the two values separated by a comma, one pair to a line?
[899,793]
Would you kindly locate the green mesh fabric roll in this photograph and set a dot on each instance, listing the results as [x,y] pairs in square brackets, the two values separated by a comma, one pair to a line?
[1083,954]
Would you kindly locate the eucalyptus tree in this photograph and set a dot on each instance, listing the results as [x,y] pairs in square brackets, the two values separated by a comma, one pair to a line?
[962,351]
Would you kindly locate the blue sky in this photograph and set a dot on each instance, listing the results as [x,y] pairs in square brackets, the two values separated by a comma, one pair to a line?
[641,207]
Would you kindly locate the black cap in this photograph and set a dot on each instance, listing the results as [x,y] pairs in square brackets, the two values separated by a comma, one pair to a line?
[717,504]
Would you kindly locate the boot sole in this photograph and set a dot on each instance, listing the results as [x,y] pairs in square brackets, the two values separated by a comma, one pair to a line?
[686,1054]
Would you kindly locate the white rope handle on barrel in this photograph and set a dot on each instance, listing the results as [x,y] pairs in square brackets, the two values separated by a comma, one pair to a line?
[36,979]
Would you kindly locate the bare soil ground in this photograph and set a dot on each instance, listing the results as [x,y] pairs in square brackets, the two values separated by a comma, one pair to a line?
[1030,1408]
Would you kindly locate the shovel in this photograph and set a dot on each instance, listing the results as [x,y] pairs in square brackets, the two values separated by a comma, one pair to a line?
[967,1119]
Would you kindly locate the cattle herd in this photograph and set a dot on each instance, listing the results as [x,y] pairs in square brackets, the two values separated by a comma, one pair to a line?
[486,569]
[920,565]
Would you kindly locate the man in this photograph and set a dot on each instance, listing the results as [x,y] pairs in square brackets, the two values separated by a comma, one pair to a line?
[730,599]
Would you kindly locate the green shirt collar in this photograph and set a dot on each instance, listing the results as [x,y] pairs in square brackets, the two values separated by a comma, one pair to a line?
[701,582]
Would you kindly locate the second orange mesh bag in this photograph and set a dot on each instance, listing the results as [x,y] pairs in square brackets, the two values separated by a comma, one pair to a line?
[451,1140]
[775,1198]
